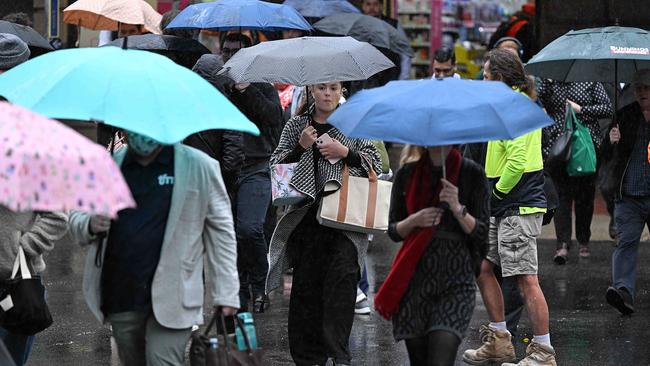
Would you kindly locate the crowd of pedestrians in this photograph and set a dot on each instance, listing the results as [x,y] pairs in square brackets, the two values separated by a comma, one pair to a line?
[476,210]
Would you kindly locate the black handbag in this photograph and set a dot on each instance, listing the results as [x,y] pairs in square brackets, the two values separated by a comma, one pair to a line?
[24,310]
[560,153]
[201,354]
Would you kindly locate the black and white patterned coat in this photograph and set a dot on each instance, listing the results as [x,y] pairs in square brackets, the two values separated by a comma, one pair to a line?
[306,180]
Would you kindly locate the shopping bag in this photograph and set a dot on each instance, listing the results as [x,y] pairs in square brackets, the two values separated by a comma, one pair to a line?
[202,354]
[23,309]
[282,193]
[360,205]
[583,152]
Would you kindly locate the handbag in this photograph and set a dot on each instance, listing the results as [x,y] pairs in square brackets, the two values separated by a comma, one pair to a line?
[360,205]
[583,152]
[23,309]
[201,353]
[560,152]
[282,193]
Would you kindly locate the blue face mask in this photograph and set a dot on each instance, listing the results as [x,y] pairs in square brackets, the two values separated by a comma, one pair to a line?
[141,145]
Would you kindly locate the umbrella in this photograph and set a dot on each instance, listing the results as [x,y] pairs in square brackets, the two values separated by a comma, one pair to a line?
[130,89]
[321,8]
[183,51]
[38,45]
[366,28]
[110,14]
[306,61]
[47,166]
[609,54]
[225,15]
[439,112]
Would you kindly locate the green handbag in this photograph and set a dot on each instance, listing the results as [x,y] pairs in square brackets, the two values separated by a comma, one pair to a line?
[583,152]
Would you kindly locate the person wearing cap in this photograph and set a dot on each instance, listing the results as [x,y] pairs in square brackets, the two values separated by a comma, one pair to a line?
[13,51]
[629,146]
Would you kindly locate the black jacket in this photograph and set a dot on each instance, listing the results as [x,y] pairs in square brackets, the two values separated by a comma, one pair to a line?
[261,104]
[473,191]
[618,155]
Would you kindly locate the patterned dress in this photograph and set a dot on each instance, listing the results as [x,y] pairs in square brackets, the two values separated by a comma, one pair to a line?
[442,292]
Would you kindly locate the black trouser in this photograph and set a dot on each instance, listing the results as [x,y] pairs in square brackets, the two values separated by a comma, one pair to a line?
[580,191]
[437,348]
[323,293]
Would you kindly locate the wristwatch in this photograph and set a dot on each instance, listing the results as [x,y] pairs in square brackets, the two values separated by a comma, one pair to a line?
[463,211]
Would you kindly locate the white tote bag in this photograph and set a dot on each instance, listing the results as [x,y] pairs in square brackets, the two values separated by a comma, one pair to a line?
[361,205]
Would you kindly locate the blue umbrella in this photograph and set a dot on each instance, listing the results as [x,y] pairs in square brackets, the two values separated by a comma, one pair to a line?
[135,90]
[439,112]
[321,8]
[224,15]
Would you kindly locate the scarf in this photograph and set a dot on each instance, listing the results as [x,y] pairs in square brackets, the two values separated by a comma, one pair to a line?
[285,92]
[389,296]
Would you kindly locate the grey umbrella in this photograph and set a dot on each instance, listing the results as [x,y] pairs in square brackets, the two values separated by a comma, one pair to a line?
[609,54]
[306,61]
[38,45]
[367,29]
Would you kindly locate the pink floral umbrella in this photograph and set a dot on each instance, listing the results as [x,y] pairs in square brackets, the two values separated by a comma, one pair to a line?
[46,166]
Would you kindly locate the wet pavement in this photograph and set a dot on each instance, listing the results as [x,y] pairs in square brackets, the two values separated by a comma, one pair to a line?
[584,329]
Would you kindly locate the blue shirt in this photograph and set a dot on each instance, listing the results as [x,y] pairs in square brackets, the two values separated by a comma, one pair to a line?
[636,182]
[135,238]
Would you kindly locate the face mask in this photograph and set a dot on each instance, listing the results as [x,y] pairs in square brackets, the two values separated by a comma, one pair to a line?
[141,145]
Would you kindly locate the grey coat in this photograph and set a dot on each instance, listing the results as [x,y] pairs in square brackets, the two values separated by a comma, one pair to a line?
[199,227]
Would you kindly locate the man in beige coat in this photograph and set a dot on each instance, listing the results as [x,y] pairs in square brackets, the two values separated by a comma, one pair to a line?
[144,271]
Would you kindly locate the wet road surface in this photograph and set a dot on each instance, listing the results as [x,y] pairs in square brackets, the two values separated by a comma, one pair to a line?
[584,329]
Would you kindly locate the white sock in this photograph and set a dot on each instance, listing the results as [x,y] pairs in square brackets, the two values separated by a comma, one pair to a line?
[499,325]
[543,339]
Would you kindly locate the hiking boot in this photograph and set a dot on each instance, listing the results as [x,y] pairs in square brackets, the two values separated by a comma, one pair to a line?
[537,354]
[621,299]
[497,348]
[561,254]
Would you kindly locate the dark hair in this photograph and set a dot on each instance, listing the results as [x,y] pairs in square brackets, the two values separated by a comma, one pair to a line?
[18,18]
[444,54]
[178,32]
[520,46]
[237,37]
[507,67]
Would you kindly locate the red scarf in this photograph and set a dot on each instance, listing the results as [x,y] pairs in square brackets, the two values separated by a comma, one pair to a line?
[389,296]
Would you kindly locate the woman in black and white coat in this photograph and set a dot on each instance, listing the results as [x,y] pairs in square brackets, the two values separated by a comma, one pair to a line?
[326,262]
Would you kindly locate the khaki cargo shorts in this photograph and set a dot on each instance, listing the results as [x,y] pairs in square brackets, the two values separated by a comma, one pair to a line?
[513,243]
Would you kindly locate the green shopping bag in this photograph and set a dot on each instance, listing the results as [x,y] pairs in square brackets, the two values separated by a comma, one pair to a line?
[583,152]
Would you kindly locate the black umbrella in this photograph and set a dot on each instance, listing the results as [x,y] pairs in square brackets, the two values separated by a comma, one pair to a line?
[183,51]
[38,44]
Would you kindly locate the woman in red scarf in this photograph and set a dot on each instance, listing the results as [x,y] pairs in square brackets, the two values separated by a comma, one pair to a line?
[430,292]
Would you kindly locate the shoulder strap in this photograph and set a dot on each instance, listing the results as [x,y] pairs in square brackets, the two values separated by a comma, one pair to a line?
[21,262]
[516,27]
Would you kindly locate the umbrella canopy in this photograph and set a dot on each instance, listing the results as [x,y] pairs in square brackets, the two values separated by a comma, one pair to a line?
[108,14]
[38,45]
[439,112]
[183,51]
[321,8]
[47,166]
[224,15]
[306,61]
[366,28]
[610,54]
[130,89]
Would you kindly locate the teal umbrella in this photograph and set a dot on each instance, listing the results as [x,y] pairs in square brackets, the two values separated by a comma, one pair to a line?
[135,90]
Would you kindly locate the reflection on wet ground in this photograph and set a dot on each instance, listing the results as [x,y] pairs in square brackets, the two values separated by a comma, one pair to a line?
[584,329]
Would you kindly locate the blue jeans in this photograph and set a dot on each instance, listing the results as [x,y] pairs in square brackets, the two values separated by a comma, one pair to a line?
[19,346]
[253,199]
[632,215]
[364,286]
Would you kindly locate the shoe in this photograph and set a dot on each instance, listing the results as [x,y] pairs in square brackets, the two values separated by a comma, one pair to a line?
[260,304]
[612,228]
[497,348]
[620,299]
[561,254]
[537,354]
[361,306]
[583,252]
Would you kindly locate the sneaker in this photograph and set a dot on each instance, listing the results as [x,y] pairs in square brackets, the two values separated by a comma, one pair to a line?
[561,254]
[620,299]
[260,304]
[584,251]
[497,348]
[537,354]
[361,306]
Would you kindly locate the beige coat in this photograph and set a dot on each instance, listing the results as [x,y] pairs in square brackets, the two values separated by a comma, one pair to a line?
[199,228]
